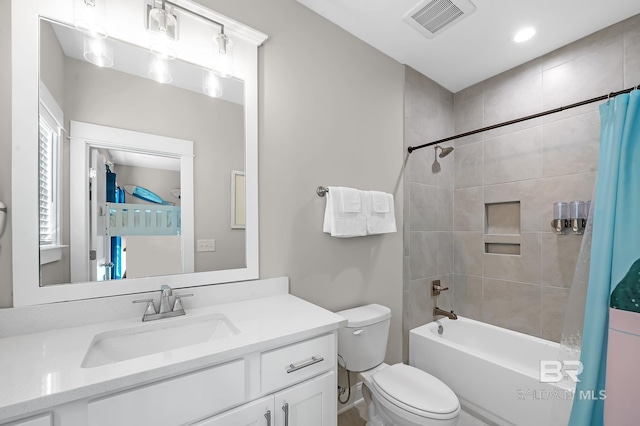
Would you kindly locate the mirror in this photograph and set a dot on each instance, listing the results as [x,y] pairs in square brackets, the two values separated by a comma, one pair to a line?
[114,97]
[173,154]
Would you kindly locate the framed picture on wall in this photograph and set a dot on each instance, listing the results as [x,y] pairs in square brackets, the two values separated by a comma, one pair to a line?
[238,217]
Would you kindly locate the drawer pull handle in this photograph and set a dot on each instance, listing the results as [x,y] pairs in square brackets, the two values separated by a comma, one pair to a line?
[267,416]
[314,360]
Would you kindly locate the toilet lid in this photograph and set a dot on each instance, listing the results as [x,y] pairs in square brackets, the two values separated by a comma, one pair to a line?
[406,385]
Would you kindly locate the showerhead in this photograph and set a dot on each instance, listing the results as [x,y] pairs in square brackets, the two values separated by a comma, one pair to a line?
[444,151]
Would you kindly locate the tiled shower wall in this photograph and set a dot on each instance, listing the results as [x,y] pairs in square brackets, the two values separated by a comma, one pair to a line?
[538,162]
[428,209]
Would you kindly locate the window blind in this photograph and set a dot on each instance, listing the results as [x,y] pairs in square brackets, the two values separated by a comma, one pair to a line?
[46,176]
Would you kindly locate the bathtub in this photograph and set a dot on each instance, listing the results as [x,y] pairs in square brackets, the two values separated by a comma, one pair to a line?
[495,372]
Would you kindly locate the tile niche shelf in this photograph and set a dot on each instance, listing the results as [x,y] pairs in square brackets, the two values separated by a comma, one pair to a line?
[502,228]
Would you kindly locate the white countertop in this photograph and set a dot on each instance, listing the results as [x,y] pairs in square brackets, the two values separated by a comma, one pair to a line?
[42,370]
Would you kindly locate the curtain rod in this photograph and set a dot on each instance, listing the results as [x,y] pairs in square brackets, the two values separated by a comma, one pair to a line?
[529,117]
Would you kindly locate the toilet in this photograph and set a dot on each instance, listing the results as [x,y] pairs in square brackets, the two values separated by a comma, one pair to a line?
[395,395]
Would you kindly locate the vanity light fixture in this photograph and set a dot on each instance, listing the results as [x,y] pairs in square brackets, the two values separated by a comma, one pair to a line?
[524,34]
[89,16]
[162,22]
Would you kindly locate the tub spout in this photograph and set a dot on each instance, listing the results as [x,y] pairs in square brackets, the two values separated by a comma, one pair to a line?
[437,311]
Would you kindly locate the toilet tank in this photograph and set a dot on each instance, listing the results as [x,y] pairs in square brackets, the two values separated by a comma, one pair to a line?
[362,344]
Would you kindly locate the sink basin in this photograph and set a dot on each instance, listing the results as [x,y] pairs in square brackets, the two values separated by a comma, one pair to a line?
[163,335]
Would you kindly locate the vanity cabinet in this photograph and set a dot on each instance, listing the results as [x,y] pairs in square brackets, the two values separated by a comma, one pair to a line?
[311,403]
[301,379]
[291,385]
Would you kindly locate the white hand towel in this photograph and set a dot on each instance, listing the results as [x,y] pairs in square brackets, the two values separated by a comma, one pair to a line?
[327,225]
[381,201]
[341,223]
[380,222]
[351,202]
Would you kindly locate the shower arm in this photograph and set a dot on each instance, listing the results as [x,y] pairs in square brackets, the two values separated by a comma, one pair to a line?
[528,117]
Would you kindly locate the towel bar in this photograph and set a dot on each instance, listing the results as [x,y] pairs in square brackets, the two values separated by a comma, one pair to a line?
[321,191]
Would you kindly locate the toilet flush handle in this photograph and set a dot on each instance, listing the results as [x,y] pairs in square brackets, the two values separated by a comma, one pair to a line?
[358,332]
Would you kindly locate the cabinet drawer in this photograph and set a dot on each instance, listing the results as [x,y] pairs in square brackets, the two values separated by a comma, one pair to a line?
[43,420]
[294,363]
[174,401]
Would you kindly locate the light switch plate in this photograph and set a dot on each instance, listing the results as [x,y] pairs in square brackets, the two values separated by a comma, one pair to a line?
[206,245]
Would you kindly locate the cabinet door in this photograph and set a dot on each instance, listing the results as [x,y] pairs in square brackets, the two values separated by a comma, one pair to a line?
[256,413]
[311,403]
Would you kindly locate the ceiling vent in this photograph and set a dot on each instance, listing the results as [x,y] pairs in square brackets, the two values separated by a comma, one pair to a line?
[431,17]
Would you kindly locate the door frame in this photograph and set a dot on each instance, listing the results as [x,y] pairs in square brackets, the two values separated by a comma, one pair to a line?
[83,137]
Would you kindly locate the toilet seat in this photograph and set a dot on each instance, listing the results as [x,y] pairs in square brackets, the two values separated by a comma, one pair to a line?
[416,392]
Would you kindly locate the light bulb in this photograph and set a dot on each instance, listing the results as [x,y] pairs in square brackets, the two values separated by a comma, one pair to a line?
[524,35]
[159,69]
[211,84]
[98,51]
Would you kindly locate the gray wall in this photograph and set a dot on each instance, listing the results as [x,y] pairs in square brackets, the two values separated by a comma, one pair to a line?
[51,62]
[5,150]
[330,114]
[157,181]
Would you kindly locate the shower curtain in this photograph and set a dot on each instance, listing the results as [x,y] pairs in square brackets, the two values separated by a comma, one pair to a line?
[615,251]
[573,321]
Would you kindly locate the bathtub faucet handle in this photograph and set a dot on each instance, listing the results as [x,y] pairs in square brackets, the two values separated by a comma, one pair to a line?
[436,288]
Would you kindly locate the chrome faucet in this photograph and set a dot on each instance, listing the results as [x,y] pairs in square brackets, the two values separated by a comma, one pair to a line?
[165,294]
[437,311]
[166,310]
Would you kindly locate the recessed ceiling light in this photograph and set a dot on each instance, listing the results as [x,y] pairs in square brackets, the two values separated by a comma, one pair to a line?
[524,34]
